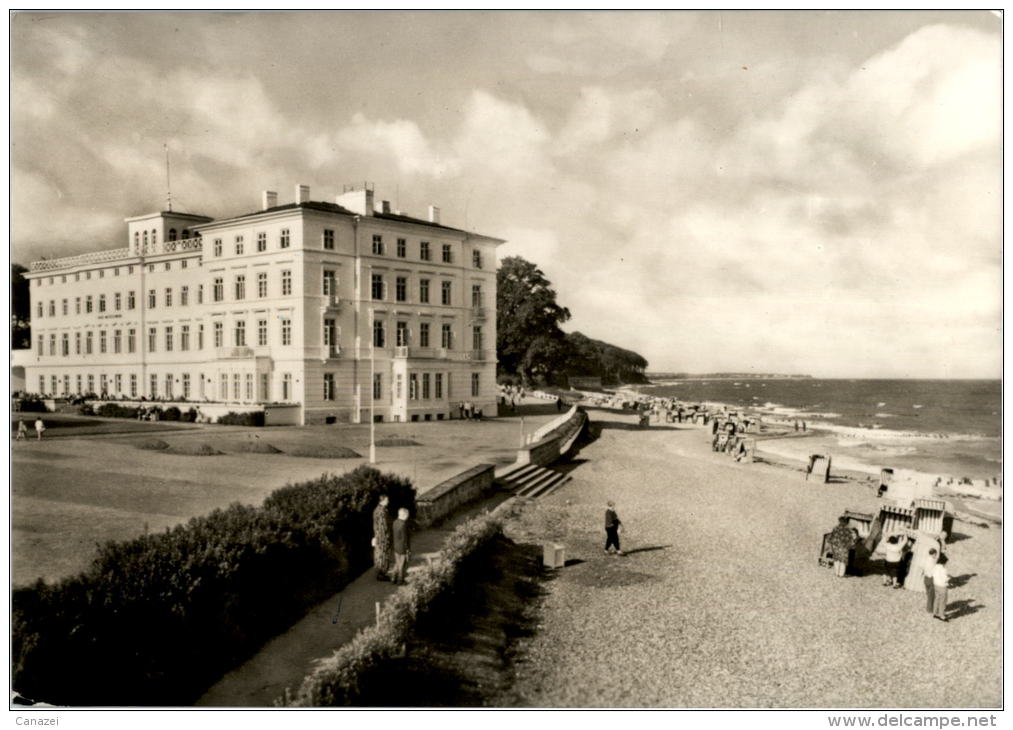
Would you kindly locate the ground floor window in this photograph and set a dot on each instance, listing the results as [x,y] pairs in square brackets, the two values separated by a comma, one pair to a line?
[377,386]
[235,386]
[413,386]
[80,385]
[103,380]
[42,384]
[168,385]
[66,384]
[133,386]
[425,386]
[286,386]
[329,386]
[186,386]
[265,387]
[223,386]
[475,383]
[249,386]
[153,386]
[438,386]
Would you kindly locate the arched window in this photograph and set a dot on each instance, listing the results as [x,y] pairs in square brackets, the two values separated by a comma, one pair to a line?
[137,239]
[154,235]
[186,233]
[145,239]
[172,234]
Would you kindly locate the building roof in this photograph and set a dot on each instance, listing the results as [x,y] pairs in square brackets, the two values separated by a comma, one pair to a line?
[335,208]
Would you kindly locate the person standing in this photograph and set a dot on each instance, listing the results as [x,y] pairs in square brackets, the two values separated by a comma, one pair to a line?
[928,579]
[842,539]
[22,431]
[940,585]
[39,427]
[896,545]
[382,539]
[402,546]
[613,526]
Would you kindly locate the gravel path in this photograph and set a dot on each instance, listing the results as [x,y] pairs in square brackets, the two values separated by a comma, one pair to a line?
[720,602]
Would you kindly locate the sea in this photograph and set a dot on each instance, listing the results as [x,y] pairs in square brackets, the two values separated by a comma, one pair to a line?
[950,428]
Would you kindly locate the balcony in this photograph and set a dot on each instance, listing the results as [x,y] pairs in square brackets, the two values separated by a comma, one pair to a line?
[478,313]
[330,352]
[330,302]
[419,353]
[234,353]
[476,355]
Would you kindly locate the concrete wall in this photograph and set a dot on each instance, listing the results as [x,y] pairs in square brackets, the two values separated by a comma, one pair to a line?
[555,443]
[437,503]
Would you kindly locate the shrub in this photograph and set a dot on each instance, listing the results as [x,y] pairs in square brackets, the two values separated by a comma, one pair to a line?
[186,449]
[31,403]
[355,673]
[151,444]
[157,619]
[396,441]
[325,452]
[189,416]
[171,414]
[115,410]
[255,418]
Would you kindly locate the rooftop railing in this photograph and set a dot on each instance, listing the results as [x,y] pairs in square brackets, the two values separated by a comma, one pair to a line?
[116,254]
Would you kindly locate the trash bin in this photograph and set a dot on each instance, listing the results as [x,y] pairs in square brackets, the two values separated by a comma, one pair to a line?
[554,555]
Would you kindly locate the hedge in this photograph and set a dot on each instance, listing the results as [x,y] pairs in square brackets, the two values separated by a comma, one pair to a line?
[252,418]
[158,619]
[356,671]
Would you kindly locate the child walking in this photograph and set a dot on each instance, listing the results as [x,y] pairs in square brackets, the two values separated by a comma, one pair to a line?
[612,528]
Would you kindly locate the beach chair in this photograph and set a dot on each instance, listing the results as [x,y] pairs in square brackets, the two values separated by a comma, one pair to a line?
[819,468]
[929,515]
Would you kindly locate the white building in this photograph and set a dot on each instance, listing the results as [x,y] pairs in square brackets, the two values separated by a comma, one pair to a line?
[321,304]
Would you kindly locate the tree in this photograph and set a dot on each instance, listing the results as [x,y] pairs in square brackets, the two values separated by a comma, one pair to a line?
[527,317]
[21,309]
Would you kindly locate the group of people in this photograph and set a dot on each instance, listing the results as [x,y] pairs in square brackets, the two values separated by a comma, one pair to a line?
[467,411]
[391,543]
[901,564]
[40,427]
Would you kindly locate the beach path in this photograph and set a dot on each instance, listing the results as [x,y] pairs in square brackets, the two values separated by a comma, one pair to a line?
[720,602]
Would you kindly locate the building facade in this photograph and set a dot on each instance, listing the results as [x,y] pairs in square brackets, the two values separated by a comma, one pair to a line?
[347,308]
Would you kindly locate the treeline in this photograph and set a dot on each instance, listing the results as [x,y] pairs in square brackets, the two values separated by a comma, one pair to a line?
[531,347]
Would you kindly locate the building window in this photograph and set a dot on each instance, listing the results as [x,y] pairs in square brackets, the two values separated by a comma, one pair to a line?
[445,292]
[265,387]
[401,289]
[438,386]
[377,244]
[286,386]
[261,333]
[376,287]
[168,266]
[168,296]
[117,301]
[77,305]
[87,304]
[328,386]
[423,334]
[184,337]
[39,311]
[286,283]
[131,300]
[377,386]
[262,284]
[131,340]
[151,299]
[236,386]
[424,291]
[144,238]
[168,385]
[447,337]
[87,343]
[223,387]
[241,287]
[133,385]
[153,386]
[475,384]
[476,295]
[42,349]
[103,384]
[476,337]
[117,341]
[402,248]
[425,386]
[200,337]
[65,345]
[77,344]
[52,384]
[331,337]
[379,338]
[249,386]
[329,283]
[102,342]
[52,307]
[118,384]
[239,245]
[219,334]
[172,234]
[219,289]
[65,308]
[285,240]
[424,251]
[329,239]
[168,339]
[286,332]
[66,383]
[183,263]
[447,257]
[240,334]
[402,334]
[413,386]
[476,258]
[200,293]
[218,247]
[261,241]
[186,386]
[184,296]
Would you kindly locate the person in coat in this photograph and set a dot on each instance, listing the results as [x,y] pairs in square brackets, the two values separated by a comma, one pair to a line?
[842,539]
[382,554]
[402,546]
[612,528]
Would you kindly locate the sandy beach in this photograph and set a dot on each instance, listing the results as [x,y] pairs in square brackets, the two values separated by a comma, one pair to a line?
[720,602]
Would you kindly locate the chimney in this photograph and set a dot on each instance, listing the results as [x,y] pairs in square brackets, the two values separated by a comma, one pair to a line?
[302,193]
[434,214]
[385,207]
[270,199]
[357,201]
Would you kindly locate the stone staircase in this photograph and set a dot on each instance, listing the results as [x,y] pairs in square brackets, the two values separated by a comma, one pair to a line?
[531,480]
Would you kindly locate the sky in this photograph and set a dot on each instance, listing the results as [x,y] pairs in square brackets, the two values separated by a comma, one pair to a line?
[792,192]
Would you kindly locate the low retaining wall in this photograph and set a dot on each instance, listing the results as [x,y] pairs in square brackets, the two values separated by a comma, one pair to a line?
[555,443]
[437,503]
